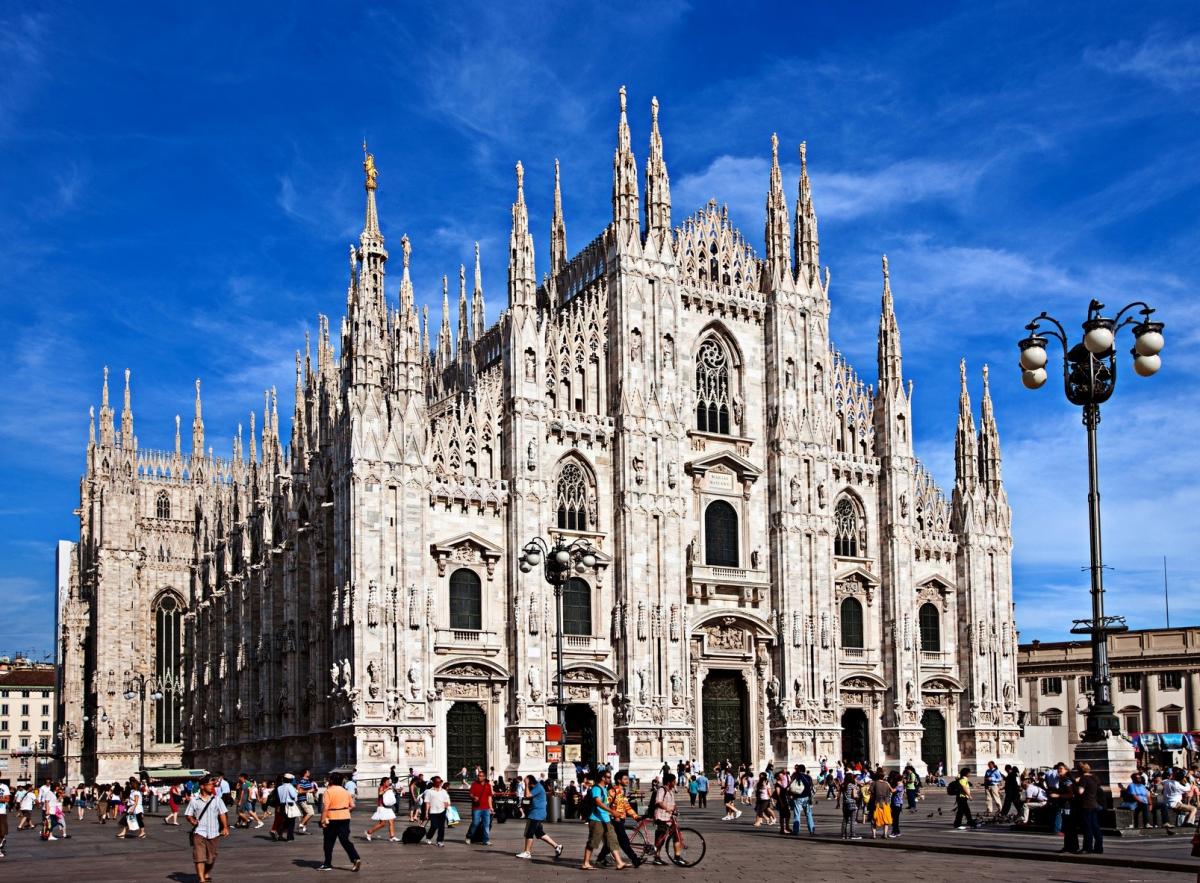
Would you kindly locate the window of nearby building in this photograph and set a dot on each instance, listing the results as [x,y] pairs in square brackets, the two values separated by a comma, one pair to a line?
[1052,718]
[1130,683]
[572,498]
[43,744]
[25,709]
[720,535]
[931,628]
[24,694]
[845,525]
[168,618]
[577,607]
[466,600]
[1170,680]
[1051,686]
[45,725]
[3,725]
[3,743]
[162,506]
[1172,722]
[45,709]
[1133,722]
[712,388]
[1020,686]
[24,726]
[24,742]
[1085,683]
[852,623]
[4,708]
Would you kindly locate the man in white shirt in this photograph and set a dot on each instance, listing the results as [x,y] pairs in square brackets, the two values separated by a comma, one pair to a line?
[437,800]
[1035,797]
[5,796]
[206,814]
[25,803]
[1173,791]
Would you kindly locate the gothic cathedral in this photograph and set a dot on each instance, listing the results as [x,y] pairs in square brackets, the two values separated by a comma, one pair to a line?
[777,577]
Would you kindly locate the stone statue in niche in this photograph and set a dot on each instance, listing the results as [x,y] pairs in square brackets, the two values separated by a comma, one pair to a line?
[530,365]
[676,688]
[635,345]
[904,505]
[821,495]
[1009,697]
[739,408]
[535,683]
[639,469]
[414,678]
[756,559]
[789,374]
[531,455]
[794,487]
[668,351]
[827,691]
[672,473]
[910,698]
[372,680]
[641,690]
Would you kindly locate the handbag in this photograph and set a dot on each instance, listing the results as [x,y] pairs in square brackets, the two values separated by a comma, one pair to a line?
[291,811]
[389,797]
[131,822]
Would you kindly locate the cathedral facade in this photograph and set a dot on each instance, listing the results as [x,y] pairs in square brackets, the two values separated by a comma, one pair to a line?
[777,577]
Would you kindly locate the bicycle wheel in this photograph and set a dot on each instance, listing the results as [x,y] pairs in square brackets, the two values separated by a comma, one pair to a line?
[691,847]
[641,839]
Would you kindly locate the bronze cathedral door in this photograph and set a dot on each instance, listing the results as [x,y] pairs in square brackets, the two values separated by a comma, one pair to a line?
[724,716]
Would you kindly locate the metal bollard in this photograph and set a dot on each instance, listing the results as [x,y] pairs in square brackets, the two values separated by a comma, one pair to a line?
[554,807]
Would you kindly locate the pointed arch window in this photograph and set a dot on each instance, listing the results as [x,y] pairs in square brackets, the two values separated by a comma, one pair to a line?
[574,498]
[720,535]
[852,623]
[931,628]
[167,649]
[466,600]
[845,529]
[712,388]
[577,607]
[162,506]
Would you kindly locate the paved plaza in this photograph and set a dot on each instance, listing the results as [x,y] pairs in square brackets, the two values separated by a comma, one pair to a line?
[928,850]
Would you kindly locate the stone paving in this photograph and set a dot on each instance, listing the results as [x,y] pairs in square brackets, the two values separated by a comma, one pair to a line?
[928,850]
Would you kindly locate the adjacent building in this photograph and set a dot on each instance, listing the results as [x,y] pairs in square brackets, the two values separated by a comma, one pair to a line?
[779,576]
[27,715]
[1155,681]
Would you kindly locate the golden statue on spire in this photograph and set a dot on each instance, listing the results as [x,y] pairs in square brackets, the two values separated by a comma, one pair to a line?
[369,167]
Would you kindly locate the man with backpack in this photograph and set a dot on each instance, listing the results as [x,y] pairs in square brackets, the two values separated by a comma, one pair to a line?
[599,816]
[960,790]
[801,792]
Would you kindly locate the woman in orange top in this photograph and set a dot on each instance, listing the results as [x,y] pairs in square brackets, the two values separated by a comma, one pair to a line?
[335,821]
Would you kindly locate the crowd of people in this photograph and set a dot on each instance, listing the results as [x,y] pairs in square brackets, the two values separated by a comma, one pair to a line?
[1063,799]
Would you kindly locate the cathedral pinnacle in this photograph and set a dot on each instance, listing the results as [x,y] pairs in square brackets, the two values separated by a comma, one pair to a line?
[127,417]
[807,246]
[198,427]
[445,348]
[478,316]
[558,229]
[253,443]
[625,188]
[107,429]
[658,183]
[464,329]
[522,278]
[966,453]
[178,447]
[989,441]
[91,425]
[890,369]
[776,234]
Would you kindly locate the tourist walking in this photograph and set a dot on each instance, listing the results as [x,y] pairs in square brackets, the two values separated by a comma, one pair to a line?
[621,810]
[600,822]
[897,802]
[961,789]
[991,787]
[286,811]
[849,798]
[701,789]
[206,814]
[535,819]
[482,805]
[1063,795]
[385,811]
[729,788]
[5,799]
[436,800]
[1012,790]
[1089,810]
[335,822]
[800,789]
[306,796]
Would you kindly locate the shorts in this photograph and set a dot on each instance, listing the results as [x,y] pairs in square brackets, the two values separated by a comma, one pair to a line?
[204,851]
[761,806]
[534,829]
[597,834]
[247,807]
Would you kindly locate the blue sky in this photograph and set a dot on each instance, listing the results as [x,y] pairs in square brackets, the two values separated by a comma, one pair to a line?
[180,184]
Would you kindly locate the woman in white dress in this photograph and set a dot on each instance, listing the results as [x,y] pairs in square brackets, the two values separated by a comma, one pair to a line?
[385,810]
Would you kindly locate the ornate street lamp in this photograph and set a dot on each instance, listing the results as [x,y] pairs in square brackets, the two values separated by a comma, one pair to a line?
[559,560]
[1089,378]
[66,733]
[136,689]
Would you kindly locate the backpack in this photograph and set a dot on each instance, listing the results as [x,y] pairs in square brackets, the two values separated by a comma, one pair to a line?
[586,805]
[954,788]
[795,788]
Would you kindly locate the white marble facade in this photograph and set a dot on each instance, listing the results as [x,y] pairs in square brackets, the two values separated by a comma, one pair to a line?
[775,563]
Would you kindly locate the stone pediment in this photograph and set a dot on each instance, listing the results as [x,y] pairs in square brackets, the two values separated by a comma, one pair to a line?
[727,462]
[857,574]
[467,548]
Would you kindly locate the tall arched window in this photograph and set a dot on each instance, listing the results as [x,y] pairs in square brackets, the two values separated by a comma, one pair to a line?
[852,623]
[577,607]
[466,600]
[931,628]
[720,535]
[162,506]
[167,644]
[845,526]
[712,388]
[572,498]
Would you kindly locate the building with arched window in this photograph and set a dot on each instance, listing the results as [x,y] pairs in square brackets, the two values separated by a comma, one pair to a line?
[778,576]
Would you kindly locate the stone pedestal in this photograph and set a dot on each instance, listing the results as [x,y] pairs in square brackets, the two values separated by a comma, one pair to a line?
[1112,762]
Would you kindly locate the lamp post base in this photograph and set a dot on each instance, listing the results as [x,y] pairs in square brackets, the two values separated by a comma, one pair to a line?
[1112,761]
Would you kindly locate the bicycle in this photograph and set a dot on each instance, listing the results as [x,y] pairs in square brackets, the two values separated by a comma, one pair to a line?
[690,843]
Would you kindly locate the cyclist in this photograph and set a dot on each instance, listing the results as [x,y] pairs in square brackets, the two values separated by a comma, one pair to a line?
[664,814]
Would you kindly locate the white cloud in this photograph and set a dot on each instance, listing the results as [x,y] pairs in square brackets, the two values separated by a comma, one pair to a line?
[1164,59]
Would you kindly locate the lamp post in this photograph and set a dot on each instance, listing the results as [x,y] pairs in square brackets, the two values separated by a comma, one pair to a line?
[1089,379]
[66,733]
[559,558]
[136,689]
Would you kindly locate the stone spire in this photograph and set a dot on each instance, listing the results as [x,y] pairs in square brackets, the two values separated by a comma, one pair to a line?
[966,454]
[371,237]
[445,347]
[779,262]
[464,328]
[92,425]
[253,443]
[558,229]
[298,423]
[890,369]
[989,442]
[425,332]
[808,256]
[198,427]
[107,429]
[407,298]
[478,313]
[178,446]
[625,188]
[658,182]
[127,417]
[522,277]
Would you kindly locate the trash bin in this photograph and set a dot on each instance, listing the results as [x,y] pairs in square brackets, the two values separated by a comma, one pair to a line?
[153,804]
[554,807]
